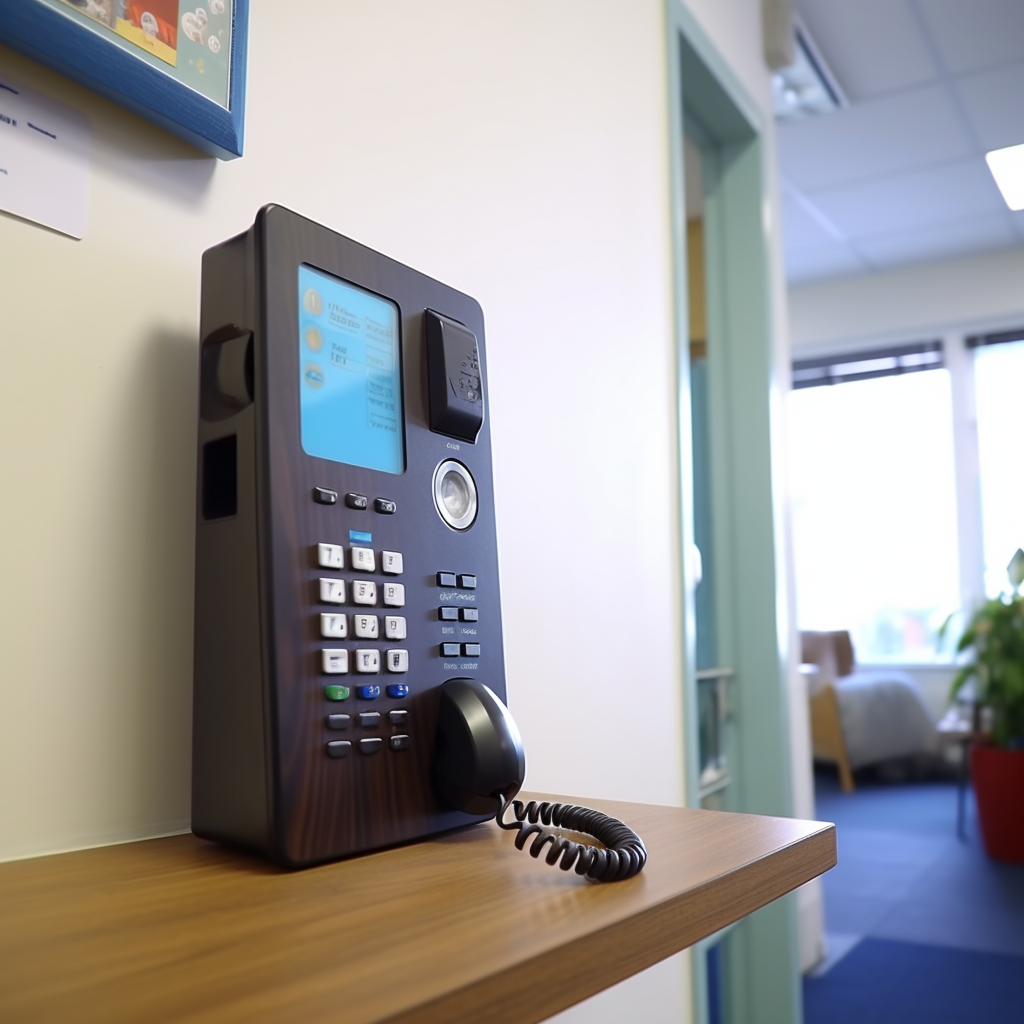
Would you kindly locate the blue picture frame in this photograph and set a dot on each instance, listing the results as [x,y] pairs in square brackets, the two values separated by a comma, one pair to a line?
[74,50]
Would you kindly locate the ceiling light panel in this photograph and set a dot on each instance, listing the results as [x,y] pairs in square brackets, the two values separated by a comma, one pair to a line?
[1007,167]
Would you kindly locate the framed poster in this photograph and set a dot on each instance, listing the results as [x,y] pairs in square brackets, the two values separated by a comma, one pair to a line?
[178,63]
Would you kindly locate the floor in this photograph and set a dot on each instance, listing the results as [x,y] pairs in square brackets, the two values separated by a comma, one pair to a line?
[909,900]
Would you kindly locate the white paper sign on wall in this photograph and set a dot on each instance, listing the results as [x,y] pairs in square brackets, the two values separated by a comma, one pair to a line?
[44,160]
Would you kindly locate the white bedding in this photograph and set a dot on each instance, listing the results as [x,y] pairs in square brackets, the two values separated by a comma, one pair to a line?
[884,716]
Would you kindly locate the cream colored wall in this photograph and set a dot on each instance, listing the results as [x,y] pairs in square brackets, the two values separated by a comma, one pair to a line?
[517,151]
[970,294]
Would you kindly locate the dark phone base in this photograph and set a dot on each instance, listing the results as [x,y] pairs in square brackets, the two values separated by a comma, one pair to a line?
[315,710]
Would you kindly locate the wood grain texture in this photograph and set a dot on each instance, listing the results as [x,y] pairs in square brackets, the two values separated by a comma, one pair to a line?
[460,927]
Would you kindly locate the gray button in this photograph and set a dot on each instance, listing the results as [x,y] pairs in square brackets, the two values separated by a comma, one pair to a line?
[399,742]
[338,721]
[371,745]
[398,717]
[471,650]
[339,748]
[369,719]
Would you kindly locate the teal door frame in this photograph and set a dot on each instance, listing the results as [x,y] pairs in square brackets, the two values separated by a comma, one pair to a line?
[709,103]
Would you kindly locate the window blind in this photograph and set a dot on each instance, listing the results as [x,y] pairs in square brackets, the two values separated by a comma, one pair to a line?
[997,338]
[884,362]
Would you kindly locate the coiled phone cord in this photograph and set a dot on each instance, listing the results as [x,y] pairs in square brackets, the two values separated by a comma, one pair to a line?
[624,854]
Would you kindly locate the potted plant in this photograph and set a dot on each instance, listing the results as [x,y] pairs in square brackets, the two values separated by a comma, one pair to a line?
[993,641]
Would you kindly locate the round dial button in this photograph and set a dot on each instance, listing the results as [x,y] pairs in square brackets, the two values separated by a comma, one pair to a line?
[455,494]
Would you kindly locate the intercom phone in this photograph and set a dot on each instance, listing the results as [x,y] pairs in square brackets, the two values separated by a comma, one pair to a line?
[349,680]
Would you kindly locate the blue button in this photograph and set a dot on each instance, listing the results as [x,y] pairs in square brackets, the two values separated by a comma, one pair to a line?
[398,690]
[367,692]
[359,537]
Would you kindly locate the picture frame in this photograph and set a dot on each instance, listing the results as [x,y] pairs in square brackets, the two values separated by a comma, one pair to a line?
[112,61]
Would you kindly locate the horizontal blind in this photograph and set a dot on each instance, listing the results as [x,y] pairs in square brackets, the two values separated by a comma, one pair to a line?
[883,362]
[998,338]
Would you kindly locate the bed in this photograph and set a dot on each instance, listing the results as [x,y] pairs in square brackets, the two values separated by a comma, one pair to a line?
[861,717]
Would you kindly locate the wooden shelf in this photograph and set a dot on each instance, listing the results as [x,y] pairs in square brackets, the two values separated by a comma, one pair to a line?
[461,927]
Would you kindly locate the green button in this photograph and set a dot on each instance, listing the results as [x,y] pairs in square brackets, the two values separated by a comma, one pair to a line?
[336,692]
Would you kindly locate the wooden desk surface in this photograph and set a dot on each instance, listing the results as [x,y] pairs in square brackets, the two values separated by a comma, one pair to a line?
[460,928]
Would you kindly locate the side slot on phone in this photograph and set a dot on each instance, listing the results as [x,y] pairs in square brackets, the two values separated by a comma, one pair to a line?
[220,478]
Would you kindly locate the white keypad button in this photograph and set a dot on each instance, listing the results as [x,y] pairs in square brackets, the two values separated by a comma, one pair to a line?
[367,661]
[394,627]
[391,562]
[333,625]
[330,556]
[394,595]
[365,626]
[335,663]
[362,559]
[398,661]
[332,591]
[364,592]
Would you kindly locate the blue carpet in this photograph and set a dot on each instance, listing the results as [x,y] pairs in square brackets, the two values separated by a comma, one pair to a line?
[887,982]
[904,874]
[921,925]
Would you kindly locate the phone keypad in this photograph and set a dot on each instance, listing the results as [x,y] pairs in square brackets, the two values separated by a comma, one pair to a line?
[363,624]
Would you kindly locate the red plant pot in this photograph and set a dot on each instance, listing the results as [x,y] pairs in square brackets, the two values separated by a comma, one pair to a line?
[998,777]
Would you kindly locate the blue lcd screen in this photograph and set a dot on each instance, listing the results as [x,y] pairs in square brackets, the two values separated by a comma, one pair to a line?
[350,379]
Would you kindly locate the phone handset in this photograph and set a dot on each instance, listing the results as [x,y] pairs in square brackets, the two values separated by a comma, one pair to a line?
[479,766]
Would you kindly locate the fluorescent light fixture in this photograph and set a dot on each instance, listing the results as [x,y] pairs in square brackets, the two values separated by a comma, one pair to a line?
[1007,167]
[807,86]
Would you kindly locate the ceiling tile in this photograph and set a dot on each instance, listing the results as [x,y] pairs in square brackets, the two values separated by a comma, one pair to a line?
[971,34]
[884,136]
[801,228]
[872,46]
[918,245]
[992,101]
[820,261]
[948,192]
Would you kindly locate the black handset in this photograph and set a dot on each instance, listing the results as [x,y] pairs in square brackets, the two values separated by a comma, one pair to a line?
[349,672]
[479,758]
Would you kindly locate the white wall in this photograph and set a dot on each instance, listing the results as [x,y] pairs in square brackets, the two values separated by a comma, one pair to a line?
[920,302]
[552,209]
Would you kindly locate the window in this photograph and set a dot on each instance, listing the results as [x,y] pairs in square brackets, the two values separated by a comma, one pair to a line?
[999,391]
[874,499]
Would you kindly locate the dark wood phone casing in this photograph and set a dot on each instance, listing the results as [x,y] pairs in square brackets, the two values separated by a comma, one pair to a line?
[261,776]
